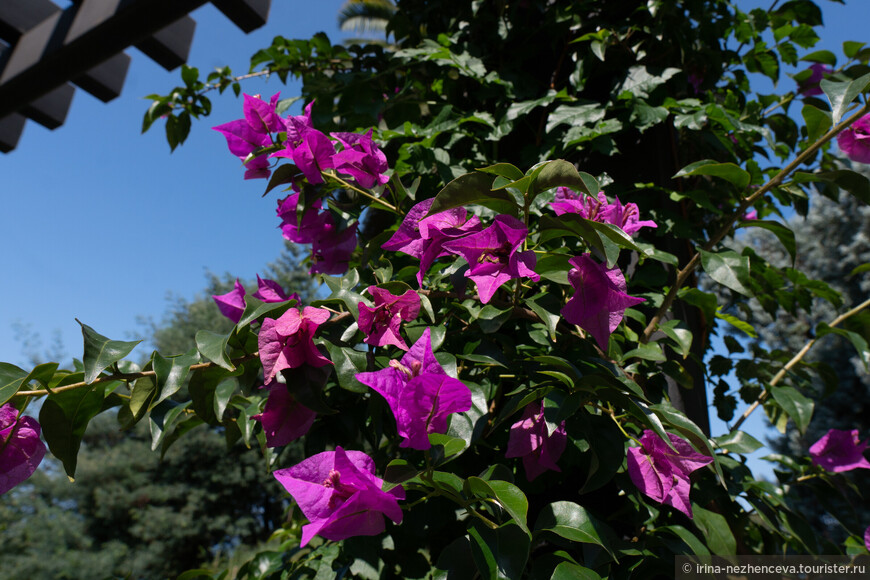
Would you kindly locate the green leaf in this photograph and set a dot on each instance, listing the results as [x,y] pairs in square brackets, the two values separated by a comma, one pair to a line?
[456,562]
[822,56]
[855,183]
[254,309]
[549,319]
[715,528]
[681,336]
[696,545]
[562,173]
[65,416]
[348,362]
[101,352]
[473,188]
[161,418]
[222,394]
[399,471]
[782,232]
[282,175]
[818,122]
[727,171]
[851,48]
[140,399]
[506,170]
[506,495]
[11,379]
[213,346]
[738,442]
[572,571]
[798,407]
[501,553]
[728,268]
[341,289]
[856,339]
[572,522]
[554,267]
[445,447]
[842,93]
[649,351]
[171,372]
[737,323]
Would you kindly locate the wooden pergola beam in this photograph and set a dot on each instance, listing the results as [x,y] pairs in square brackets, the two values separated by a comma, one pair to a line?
[46,48]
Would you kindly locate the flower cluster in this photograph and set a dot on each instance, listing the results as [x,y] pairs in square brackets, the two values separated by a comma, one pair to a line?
[381,324]
[625,216]
[420,393]
[21,449]
[310,150]
[337,490]
[232,304]
[340,495]
[599,299]
[529,439]
[662,473]
[839,450]
[855,140]
[331,248]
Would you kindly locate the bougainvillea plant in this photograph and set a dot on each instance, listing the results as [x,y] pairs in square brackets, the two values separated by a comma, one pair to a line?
[506,373]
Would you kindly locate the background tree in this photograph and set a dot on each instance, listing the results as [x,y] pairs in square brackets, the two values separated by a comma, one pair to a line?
[833,240]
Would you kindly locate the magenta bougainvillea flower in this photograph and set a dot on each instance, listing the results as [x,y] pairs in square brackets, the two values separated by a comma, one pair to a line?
[312,153]
[599,300]
[340,495]
[244,136]
[271,291]
[21,449]
[625,216]
[382,324]
[839,450]
[332,250]
[493,257]
[261,116]
[232,304]
[810,87]
[661,473]
[296,125]
[284,419]
[361,158]
[287,342]
[420,393]
[315,222]
[423,237]
[529,439]
[855,140]
[867,537]
[569,201]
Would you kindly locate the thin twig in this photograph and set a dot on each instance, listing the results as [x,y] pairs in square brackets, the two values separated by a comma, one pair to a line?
[790,364]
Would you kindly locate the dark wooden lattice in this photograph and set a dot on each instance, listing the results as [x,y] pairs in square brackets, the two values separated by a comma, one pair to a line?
[45,50]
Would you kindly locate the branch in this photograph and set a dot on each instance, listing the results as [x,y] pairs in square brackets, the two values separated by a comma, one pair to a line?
[122,377]
[795,360]
[693,264]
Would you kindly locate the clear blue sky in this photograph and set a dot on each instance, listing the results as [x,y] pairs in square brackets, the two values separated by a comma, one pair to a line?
[101,222]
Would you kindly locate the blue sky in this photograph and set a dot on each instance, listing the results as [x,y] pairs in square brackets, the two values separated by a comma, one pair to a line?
[100,222]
